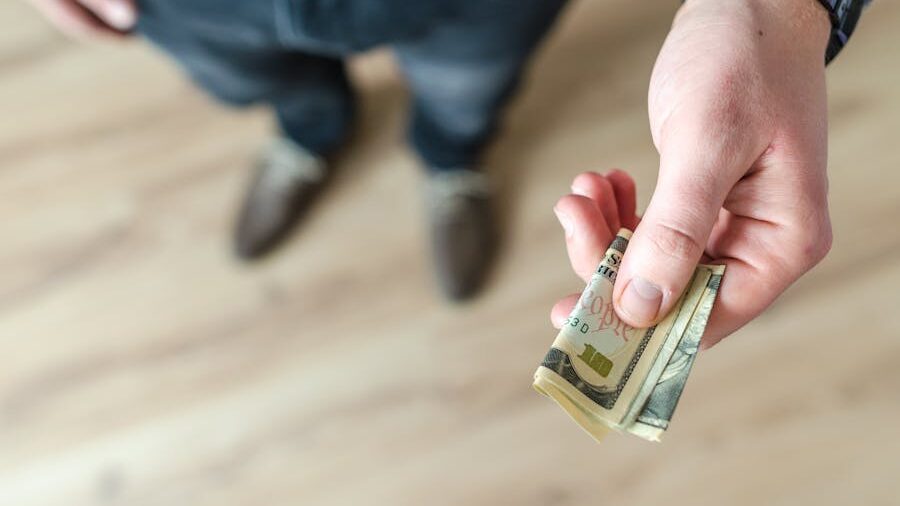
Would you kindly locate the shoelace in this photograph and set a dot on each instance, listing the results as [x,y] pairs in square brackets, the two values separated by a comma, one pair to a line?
[285,163]
[447,191]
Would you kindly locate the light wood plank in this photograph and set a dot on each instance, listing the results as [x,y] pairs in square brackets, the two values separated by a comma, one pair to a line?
[141,365]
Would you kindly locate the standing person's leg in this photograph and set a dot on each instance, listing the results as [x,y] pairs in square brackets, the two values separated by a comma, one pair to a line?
[228,49]
[461,76]
[464,72]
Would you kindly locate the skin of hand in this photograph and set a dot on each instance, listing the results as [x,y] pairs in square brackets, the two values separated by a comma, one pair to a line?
[738,114]
[90,18]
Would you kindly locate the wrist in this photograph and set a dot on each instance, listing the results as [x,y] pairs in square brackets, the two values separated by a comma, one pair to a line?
[807,21]
[801,25]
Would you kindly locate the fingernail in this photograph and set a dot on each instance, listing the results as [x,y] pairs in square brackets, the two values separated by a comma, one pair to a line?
[641,300]
[120,15]
[565,220]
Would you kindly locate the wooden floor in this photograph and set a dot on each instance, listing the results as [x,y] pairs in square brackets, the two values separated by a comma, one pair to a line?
[141,365]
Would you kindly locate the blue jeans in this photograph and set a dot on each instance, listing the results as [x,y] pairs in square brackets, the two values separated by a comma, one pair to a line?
[462,59]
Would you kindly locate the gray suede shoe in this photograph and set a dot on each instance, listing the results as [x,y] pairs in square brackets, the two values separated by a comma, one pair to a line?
[286,181]
[463,236]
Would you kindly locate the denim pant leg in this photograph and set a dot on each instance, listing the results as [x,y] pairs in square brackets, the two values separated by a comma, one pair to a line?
[464,72]
[231,49]
[317,109]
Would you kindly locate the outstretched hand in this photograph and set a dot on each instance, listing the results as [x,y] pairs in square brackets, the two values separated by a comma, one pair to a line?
[738,114]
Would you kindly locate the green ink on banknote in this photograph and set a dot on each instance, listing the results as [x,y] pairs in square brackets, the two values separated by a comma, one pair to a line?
[596,361]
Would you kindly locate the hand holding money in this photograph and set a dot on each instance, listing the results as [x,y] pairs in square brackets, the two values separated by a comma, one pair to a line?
[607,374]
[755,238]
[765,249]
[738,114]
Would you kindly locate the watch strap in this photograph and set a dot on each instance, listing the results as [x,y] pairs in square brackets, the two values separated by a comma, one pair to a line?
[844,16]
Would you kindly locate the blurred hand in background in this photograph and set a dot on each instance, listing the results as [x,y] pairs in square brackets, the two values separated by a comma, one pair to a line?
[90,18]
[738,114]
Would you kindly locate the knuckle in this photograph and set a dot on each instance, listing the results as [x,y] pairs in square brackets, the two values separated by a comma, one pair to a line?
[813,245]
[675,241]
[817,249]
[726,107]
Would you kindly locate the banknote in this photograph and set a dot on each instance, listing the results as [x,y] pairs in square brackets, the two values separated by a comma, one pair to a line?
[608,375]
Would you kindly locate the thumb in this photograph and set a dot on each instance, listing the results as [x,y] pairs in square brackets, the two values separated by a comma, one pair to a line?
[669,241]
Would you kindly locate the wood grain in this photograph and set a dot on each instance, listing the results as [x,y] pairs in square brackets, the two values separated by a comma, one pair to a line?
[141,365]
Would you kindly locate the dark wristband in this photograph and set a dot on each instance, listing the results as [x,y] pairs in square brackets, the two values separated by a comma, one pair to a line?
[844,16]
